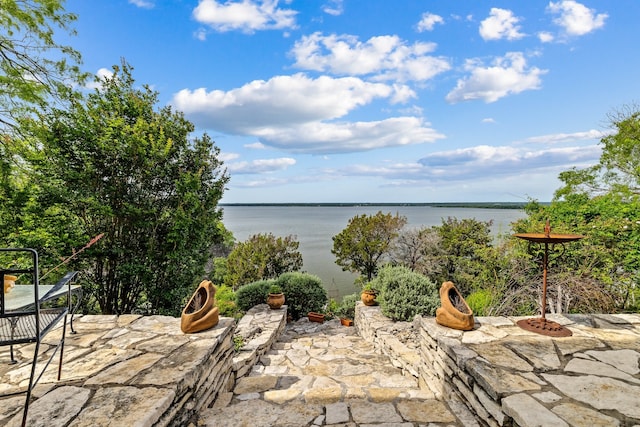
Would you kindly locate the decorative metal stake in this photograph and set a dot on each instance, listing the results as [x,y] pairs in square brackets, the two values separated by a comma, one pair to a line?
[542,325]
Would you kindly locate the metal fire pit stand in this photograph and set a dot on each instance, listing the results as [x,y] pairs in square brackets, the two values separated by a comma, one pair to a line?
[541,325]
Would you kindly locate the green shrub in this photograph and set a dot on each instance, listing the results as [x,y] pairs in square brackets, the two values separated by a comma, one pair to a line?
[404,293]
[480,302]
[347,308]
[253,294]
[226,301]
[332,309]
[304,293]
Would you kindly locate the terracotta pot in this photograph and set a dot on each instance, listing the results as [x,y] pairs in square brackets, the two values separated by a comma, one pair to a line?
[9,282]
[455,313]
[275,301]
[346,322]
[316,317]
[368,297]
[200,313]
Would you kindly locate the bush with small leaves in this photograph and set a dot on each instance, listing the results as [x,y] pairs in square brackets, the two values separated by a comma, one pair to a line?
[304,293]
[252,294]
[480,302]
[226,301]
[347,308]
[404,293]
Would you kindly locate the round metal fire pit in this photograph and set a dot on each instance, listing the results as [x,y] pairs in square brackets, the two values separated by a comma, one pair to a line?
[542,325]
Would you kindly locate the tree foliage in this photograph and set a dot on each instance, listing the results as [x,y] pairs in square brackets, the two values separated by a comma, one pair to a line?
[618,170]
[601,202]
[34,68]
[261,256]
[366,242]
[113,164]
[461,245]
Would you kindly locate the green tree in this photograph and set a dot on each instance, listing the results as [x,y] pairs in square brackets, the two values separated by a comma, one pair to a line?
[34,68]
[115,165]
[602,203]
[261,256]
[366,242]
[461,243]
[619,167]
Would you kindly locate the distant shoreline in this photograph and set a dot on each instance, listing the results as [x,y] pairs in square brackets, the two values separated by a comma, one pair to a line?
[478,205]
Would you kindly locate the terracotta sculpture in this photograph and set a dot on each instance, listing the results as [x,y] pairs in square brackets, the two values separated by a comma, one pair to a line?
[200,313]
[454,313]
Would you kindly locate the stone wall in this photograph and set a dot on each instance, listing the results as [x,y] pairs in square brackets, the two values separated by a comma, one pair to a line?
[137,370]
[506,376]
[258,329]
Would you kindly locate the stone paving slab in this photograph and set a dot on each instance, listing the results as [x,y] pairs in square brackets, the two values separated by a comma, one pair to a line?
[589,379]
[121,371]
[327,375]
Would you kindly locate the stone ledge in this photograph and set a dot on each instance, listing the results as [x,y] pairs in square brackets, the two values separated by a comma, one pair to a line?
[507,376]
[134,370]
[259,328]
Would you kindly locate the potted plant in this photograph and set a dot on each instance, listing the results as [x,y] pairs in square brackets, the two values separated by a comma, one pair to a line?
[368,295]
[346,311]
[275,299]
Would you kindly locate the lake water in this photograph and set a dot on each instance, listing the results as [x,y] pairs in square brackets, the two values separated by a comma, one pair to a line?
[314,226]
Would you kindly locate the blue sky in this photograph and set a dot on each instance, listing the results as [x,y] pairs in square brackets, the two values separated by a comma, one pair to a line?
[380,100]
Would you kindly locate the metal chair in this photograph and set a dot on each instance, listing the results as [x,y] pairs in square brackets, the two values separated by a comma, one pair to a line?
[23,320]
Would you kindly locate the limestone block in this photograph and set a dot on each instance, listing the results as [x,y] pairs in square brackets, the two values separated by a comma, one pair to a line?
[498,382]
[367,412]
[599,392]
[54,409]
[337,413]
[120,406]
[577,415]
[430,411]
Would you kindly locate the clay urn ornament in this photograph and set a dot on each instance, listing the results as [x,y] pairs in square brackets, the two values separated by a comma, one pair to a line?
[454,313]
[200,313]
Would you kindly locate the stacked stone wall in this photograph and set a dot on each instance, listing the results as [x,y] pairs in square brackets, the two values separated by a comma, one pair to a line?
[506,376]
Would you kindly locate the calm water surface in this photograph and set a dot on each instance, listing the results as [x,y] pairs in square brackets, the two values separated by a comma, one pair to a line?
[314,226]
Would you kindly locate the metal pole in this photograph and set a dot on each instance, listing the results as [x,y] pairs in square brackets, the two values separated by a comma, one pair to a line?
[545,260]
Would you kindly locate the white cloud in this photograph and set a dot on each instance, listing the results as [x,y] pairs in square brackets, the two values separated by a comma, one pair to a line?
[227,157]
[297,113]
[488,120]
[262,183]
[255,146]
[246,15]
[333,7]
[260,165]
[575,18]
[480,163]
[508,75]
[382,57]
[280,101]
[545,37]
[328,138]
[428,22]
[200,34]
[501,24]
[101,74]
[482,160]
[144,4]
[569,137]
